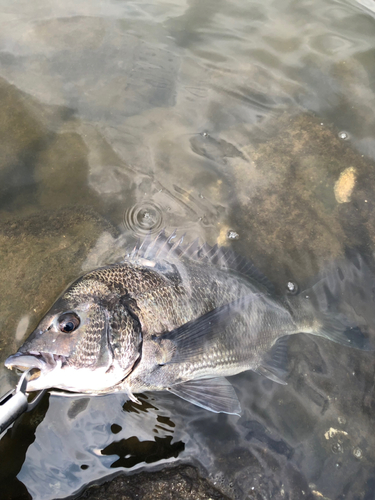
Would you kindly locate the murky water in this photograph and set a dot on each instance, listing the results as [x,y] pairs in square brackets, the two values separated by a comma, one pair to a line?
[250,124]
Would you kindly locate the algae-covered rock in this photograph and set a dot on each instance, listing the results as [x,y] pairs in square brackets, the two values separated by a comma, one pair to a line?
[289,177]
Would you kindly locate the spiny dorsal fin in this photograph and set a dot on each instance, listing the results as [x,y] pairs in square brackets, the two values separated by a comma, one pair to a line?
[163,247]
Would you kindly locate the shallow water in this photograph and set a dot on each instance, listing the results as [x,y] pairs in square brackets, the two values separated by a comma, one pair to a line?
[215,118]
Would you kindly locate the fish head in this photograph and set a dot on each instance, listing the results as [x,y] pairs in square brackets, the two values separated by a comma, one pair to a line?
[88,342]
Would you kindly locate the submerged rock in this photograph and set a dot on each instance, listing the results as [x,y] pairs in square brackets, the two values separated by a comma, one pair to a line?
[300,194]
[178,483]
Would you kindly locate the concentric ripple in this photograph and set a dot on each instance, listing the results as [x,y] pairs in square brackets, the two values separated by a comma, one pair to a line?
[144,218]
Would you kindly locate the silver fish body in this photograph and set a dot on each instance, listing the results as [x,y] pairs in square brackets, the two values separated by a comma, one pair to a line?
[168,320]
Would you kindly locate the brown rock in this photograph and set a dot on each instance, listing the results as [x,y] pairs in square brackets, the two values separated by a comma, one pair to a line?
[178,483]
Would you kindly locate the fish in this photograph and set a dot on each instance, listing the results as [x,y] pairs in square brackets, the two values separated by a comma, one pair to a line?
[182,318]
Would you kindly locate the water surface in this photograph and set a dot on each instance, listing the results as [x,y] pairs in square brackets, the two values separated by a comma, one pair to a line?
[215,118]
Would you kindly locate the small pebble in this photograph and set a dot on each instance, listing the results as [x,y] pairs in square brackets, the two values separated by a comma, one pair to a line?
[343,135]
[345,184]
[292,287]
[232,235]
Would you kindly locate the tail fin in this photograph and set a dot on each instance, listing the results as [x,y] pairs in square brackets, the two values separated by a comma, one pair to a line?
[342,303]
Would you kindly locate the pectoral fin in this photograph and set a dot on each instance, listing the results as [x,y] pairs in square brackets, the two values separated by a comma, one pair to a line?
[214,394]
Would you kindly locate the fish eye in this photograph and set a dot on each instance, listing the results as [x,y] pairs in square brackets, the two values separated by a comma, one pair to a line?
[68,322]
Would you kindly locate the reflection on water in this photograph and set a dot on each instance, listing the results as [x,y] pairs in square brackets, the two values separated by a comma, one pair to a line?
[89,439]
[13,448]
[131,451]
[243,123]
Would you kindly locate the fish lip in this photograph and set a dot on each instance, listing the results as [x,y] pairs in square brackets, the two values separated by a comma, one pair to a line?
[25,360]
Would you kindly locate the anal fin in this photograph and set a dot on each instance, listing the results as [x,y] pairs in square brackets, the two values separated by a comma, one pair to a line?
[214,394]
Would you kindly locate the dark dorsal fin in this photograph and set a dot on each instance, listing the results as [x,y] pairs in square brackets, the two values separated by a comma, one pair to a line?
[169,247]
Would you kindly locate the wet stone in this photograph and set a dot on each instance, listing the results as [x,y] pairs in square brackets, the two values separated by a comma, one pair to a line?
[179,483]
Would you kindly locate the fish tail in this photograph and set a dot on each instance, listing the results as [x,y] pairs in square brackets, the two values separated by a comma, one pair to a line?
[340,305]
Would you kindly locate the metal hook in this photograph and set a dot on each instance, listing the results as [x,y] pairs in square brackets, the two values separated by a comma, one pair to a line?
[15,402]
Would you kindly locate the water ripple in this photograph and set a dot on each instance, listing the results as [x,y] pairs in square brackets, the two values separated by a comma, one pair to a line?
[144,218]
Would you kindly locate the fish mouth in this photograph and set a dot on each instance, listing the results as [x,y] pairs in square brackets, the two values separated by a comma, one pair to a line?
[43,361]
[55,371]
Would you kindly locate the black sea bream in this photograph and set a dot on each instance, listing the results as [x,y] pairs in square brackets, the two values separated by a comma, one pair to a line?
[178,318]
